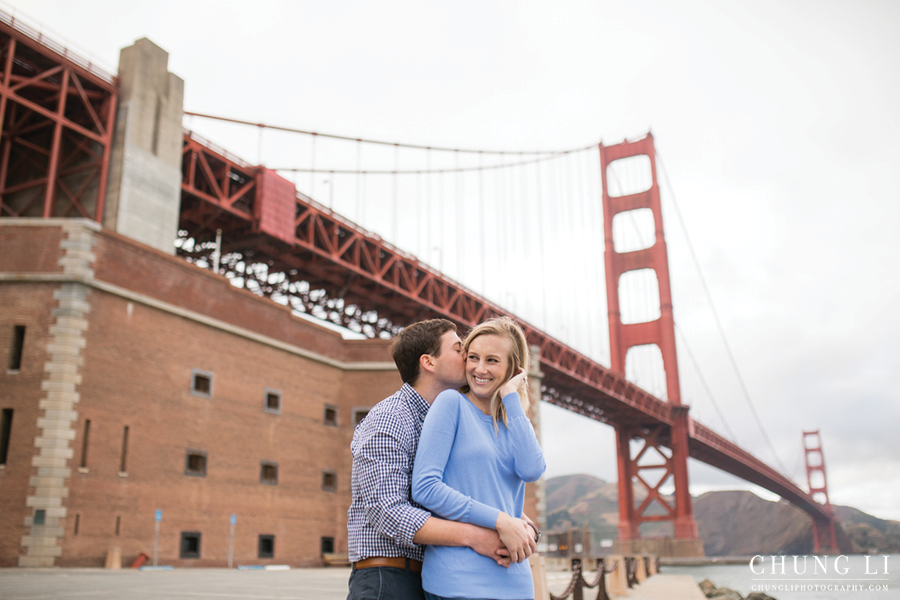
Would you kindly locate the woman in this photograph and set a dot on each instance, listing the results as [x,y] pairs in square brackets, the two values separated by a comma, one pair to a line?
[475,454]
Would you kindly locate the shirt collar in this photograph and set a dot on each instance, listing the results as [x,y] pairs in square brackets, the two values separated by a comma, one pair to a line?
[416,401]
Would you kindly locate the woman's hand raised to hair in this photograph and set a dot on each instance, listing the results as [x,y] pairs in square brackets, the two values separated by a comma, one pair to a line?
[516,383]
[517,536]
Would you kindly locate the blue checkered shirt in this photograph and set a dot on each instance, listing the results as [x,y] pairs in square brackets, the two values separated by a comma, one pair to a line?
[383,519]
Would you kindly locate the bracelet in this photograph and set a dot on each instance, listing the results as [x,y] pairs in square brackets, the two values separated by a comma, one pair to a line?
[537,533]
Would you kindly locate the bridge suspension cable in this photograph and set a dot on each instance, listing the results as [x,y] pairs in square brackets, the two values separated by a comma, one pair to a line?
[729,353]
[380,142]
[508,223]
[712,396]
[552,201]
[397,171]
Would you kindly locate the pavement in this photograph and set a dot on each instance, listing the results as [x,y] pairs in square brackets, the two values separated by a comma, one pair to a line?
[667,587]
[225,584]
[178,584]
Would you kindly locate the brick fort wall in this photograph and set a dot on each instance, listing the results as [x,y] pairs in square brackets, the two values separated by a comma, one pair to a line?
[282,393]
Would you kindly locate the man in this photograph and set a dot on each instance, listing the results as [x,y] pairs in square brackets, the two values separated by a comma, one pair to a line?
[386,530]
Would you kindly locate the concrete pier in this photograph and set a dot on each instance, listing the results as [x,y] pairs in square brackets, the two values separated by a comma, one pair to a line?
[144,193]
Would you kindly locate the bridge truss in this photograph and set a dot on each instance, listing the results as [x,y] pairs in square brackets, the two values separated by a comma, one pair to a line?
[285,246]
[57,113]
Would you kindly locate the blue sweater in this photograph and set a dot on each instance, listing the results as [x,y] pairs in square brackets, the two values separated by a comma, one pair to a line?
[464,471]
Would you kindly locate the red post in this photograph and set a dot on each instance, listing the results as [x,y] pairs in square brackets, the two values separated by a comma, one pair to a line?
[109,129]
[628,530]
[660,332]
[7,71]
[55,148]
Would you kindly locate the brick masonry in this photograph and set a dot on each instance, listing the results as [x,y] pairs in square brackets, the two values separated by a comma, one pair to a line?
[122,356]
[114,331]
[42,543]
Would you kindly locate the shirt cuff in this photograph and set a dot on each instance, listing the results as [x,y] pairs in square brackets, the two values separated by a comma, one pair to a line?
[410,525]
[483,515]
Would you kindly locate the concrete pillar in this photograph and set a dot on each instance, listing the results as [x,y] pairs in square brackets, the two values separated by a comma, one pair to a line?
[641,574]
[143,197]
[45,526]
[114,558]
[535,495]
[617,580]
[539,574]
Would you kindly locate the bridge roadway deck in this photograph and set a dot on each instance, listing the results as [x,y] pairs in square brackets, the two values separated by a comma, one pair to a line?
[225,584]
[351,267]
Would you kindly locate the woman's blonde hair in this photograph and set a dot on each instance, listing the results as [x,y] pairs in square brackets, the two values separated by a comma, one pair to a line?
[519,358]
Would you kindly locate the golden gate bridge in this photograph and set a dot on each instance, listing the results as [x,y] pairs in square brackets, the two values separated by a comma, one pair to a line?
[58,114]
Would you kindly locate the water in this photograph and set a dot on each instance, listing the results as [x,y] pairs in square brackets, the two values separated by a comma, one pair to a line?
[847,581]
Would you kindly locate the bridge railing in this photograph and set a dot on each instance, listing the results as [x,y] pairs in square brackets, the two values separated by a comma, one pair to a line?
[38,36]
[702,440]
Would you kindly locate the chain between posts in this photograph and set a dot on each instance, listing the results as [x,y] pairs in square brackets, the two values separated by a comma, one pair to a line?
[631,568]
[578,583]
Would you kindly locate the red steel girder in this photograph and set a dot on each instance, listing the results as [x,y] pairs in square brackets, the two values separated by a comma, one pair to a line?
[412,288]
[354,267]
[711,448]
[57,113]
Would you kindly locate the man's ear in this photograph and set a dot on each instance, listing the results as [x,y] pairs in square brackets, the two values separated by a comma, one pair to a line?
[426,363]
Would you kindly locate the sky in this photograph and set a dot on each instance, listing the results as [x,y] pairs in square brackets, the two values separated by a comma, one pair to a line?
[775,123]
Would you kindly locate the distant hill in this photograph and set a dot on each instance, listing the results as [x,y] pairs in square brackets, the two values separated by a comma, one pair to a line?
[871,534]
[731,523]
[740,523]
[579,500]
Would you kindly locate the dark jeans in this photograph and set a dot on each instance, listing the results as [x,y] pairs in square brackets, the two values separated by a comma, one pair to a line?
[430,596]
[385,583]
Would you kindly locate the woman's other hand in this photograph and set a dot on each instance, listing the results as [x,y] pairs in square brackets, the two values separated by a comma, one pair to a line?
[516,383]
[487,542]
[516,535]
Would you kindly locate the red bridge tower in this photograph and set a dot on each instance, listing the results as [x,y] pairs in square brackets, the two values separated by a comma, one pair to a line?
[824,539]
[665,446]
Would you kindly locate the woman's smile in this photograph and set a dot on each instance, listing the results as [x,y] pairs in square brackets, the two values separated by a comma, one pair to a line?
[487,365]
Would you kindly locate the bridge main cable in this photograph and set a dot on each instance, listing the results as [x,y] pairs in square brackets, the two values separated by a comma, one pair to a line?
[386,143]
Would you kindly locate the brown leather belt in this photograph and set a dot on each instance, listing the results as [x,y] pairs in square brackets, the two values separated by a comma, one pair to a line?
[383,561]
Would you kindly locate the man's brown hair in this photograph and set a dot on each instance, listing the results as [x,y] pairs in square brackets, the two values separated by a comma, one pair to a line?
[415,340]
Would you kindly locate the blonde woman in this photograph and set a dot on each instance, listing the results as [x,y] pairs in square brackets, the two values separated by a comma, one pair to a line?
[476,452]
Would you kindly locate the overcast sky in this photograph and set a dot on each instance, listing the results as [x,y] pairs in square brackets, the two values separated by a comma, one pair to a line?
[776,122]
